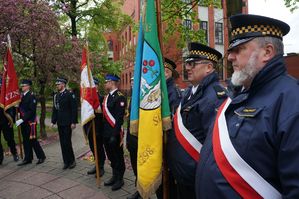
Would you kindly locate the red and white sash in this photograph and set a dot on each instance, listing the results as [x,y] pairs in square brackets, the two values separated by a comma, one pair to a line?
[185,138]
[243,178]
[109,117]
[111,120]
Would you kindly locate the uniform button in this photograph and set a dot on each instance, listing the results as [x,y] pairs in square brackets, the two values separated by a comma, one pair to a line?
[238,124]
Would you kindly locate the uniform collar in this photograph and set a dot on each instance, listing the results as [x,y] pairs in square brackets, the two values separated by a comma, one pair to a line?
[62,91]
[25,92]
[111,92]
[275,67]
[209,79]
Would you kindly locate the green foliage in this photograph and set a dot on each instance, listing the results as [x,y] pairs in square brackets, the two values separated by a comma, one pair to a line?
[291,4]
[175,12]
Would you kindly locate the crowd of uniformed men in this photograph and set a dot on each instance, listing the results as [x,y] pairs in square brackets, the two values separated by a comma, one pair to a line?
[235,142]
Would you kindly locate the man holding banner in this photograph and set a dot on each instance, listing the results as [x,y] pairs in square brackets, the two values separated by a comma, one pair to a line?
[6,127]
[9,98]
[99,128]
[91,114]
[28,122]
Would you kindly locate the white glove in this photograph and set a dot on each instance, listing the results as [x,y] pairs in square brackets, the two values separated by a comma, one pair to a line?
[18,122]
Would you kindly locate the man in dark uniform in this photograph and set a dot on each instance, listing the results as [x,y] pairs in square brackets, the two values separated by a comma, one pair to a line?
[253,149]
[114,106]
[132,146]
[194,116]
[174,97]
[99,135]
[65,115]
[174,94]
[6,126]
[28,122]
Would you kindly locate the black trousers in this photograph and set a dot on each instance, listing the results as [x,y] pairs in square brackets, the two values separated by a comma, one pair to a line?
[115,154]
[185,191]
[65,137]
[100,148]
[172,188]
[132,146]
[30,143]
[9,138]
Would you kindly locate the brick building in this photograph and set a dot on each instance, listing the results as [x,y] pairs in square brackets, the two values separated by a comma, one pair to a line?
[292,60]
[212,20]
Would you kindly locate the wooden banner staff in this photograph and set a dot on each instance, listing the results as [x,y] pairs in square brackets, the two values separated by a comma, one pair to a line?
[20,138]
[165,172]
[96,153]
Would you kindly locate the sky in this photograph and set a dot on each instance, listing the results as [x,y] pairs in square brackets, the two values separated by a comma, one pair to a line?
[276,9]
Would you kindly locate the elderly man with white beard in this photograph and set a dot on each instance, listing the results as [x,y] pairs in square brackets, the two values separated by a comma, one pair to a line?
[252,150]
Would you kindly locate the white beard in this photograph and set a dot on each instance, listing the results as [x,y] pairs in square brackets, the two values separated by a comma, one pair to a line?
[246,74]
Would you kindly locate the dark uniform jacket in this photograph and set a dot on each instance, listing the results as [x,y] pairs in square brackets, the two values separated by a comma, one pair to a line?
[198,114]
[28,107]
[174,95]
[116,104]
[99,117]
[11,112]
[64,108]
[266,137]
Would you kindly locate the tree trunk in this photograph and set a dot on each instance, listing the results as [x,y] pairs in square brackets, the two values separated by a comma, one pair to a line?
[73,17]
[42,118]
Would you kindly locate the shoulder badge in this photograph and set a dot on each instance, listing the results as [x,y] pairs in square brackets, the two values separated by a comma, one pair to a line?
[220,91]
[119,93]
[247,111]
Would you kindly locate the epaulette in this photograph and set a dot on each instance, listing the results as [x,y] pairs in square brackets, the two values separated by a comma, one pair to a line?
[220,91]
[119,93]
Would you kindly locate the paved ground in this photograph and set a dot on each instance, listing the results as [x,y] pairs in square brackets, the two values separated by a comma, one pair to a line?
[49,181]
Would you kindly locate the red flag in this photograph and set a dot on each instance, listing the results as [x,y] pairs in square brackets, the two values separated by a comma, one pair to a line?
[89,96]
[10,95]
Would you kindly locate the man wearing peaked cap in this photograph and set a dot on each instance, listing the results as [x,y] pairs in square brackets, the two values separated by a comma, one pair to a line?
[61,80]
[6,127]
[28,122]
[252,151]
[174,98]
[194,116]
[114,107]
[99,135]
[26,82]
[65,115]
[112,77]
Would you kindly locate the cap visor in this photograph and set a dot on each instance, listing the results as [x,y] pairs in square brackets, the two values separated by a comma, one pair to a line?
[239,42]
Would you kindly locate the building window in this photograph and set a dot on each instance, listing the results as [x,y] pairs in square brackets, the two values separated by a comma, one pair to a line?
[110,45]
[185,73]
[218,33]
[188,23]
[204,27]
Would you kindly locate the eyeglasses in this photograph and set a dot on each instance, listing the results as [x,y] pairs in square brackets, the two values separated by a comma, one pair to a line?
[193,64]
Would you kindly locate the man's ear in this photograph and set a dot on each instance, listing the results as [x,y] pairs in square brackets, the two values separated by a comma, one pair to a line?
[210,68]
[269,52]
